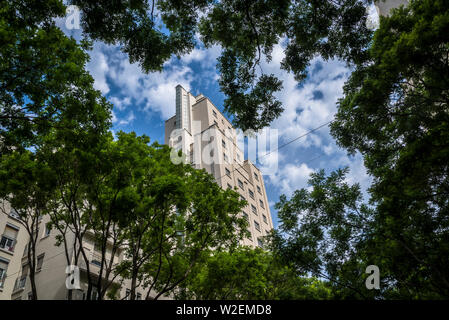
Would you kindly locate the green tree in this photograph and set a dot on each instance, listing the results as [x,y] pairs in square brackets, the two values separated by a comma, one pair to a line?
[42,75]
[45,95]
[246,273]
[151,32]
[179,214]
[27,186]
[395,112]
[325,232]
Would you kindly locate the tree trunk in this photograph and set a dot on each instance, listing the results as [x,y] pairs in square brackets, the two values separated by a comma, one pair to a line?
[133,284]
[31,255]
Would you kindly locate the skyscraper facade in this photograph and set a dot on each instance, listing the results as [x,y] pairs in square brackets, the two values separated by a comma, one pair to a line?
[209,141]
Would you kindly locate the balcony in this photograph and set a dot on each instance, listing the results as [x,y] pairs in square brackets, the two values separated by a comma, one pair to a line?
[7,243]
[94,266]
[95,263]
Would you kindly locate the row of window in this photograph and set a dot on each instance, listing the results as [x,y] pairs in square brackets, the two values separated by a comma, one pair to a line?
[256,224]
[216,116]
[259,241]
[128,295]
[21,280]
[251,193]
[8,239]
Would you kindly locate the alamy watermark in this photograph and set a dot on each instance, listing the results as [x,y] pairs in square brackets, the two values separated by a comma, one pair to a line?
[72,20]
[72,282]
[213,146]
[373,280]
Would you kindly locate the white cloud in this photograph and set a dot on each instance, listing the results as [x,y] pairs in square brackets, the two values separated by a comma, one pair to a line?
[303,111]
[114,117]
[98,67]
[291,177]
[154,92]
[128,120]
[307,107]
[120,104]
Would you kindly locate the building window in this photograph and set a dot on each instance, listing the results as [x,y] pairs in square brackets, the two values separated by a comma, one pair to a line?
[20,283]
[259,242]
[25,268]
[47,230]
[261,204]
[251,194]
[228,173]
[3,267]
[256,225]
[264,217]
[223,143]
[245,215]
[259,190]
[30,295]
[138,296]
[225,157]
[240,183]
[214,113]
[40,262]
[128,294]
[256,176]
[243,198]
[229,186]
[7,243]
[253,209]
[8,240]
[25,250]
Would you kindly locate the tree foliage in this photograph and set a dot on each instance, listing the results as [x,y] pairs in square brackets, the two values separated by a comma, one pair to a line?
[395,112]
[151,32]
[175,214]
[43,80]
[246,273]
[325,232]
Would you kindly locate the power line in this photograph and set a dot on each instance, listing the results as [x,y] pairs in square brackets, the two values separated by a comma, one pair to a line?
[297,138]
[49,258]
[285,144]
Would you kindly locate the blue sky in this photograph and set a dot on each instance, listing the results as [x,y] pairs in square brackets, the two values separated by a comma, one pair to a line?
[142,102]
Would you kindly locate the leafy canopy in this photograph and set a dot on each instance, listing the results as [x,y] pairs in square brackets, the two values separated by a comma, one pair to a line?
[395,113]
[151,32]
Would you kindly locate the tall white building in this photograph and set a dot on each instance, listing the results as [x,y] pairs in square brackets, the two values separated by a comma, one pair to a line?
[209,140]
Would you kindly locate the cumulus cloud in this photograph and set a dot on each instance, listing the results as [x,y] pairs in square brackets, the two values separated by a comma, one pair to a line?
[128,120]
[291,177]
[98,67]
[311,104]
[153,92]
[120,104]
